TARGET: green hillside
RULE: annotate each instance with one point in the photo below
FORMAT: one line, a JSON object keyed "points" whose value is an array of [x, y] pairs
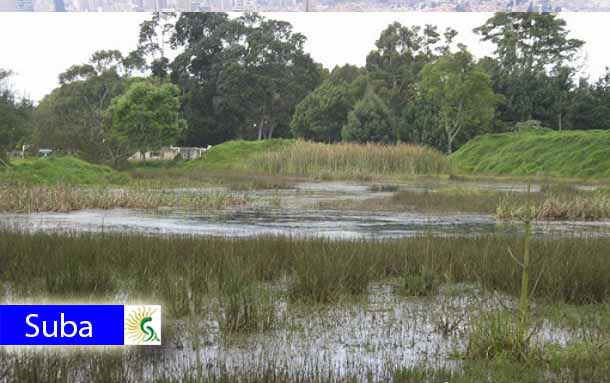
{"points": [[64, 170], [235, 154], [582, 154]]}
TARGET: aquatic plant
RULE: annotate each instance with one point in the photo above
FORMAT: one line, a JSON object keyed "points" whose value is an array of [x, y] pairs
{"points": [[575, 270], [62, 198], [350, 161]]}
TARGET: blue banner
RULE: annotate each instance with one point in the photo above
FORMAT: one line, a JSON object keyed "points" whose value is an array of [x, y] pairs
{"points": [[62, 325]]}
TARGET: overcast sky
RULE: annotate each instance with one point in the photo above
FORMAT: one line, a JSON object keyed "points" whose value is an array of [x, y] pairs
{"points": [[39, 46]]}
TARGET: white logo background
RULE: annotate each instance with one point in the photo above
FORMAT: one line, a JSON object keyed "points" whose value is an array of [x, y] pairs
{"points": [[135, 311]]}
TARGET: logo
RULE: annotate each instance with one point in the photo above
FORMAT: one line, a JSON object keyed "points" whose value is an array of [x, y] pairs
{"points": [[143, 325]]}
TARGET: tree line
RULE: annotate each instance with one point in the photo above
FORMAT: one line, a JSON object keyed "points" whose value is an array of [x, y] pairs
{"points": [[248, 77]]}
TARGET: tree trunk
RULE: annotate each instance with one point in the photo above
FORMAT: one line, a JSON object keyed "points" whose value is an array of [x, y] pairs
{"points": [[260, 129], [449, 139], [560, 121], [449, 144]]}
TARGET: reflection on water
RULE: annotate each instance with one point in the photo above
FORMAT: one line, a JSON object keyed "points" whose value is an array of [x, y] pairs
{"points": [[296, 212], [331, 224]]}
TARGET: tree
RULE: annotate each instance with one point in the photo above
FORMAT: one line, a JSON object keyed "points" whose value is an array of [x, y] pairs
{"points": [[147, 116], [531, 49], [321, 115], [14, 117], [72, 117], [400, 54], [370, 121], [461, 93], [241, 77], [155, 39], [346, 73], [601, 94], [419, 123], [583, 112]]}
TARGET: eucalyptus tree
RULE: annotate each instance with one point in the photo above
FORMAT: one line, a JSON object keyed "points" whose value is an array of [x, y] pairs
{"points": [[461, 93], [154, 43], [531, 50], [400, 54], [241, 77]]}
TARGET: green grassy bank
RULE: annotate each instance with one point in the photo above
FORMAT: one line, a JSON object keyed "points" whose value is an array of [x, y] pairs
{"points": [[576, 154], [60, 170], [236, 155]]}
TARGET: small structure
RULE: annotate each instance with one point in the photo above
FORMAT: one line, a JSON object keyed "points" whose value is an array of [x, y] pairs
{"points": [[44, 152], [16, 153], [189, 153], [170, 153]]}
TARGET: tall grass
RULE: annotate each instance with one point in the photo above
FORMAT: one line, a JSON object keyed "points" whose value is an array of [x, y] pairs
{"points": [[22, 199], [185, 269], [33, 366], [351, 161]]}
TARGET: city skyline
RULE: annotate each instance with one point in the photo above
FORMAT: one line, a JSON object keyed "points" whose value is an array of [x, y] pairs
{"points": [[305, 5]]}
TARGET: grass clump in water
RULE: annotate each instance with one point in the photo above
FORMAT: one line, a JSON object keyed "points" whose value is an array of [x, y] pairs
{"points": [[61, 198], [246, 307], [566, 270], [498, 335], [322, 277], [421, 284]]}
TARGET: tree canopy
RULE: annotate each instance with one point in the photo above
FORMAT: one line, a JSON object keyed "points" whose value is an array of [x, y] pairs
{"points": [[370, 121], [249, 77], [461, 92], [147, 116]]}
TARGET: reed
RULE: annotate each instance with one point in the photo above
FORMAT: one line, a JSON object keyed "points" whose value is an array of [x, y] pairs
{"points": [[499, 335], [178, 270], [351, 161], [61, 198], [582, 364]]}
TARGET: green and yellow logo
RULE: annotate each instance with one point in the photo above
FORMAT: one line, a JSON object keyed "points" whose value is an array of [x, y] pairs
{"points": [[142, 325]]}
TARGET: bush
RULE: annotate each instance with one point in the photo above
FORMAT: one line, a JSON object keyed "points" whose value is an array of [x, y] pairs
{"points": [[370, 121], [531, 126], [498, 335], [322, 114], [422, 284]]}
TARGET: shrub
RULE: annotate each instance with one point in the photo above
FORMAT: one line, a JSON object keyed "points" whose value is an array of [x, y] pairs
{"points": [[370, 121], [498, 335], [422, 284]]}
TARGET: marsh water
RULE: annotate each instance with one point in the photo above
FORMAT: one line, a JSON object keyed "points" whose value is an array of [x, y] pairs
{"points": [[369, 338], [299, 211]]}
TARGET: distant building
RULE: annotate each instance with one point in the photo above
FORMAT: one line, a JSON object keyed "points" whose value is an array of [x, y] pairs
{"points": [[16, 153], [8, 6], [44, 152], [170, 153], [24, 6]]}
